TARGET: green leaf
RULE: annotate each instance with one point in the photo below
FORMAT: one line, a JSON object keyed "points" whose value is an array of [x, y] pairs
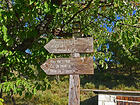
{"points": [[28, 95], [49, 86], [106, 65], [47, 9], [0, 86], [1, 100], [101, 62], [58, 10], [4, 30], [31, 1], [34, 91], [18, 82], [20, 93], [38, 87]]}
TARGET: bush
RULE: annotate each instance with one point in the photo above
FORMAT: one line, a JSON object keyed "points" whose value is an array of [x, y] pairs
{"points": [[89, 86]]}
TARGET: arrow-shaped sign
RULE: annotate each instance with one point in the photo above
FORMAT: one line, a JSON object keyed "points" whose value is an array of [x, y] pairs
{"points": [[64, 66], [79, 45]]}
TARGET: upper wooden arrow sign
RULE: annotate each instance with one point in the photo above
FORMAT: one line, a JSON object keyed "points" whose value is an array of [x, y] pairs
{"points": [[79, 45], [64, 66]]}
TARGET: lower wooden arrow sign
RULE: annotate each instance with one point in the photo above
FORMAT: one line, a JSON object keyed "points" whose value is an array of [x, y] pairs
{"points": [[68, 66]]}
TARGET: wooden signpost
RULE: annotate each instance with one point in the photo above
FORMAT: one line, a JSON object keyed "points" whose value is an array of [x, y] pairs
{"points": [[78, 45], [70, 66]]}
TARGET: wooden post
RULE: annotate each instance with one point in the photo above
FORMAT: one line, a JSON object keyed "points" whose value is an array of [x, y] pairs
{"points": [[74, 82], [74, 87]]}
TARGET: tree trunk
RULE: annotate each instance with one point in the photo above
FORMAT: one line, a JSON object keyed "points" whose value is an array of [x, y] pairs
{"points": [[130, 70], [13, 100], [12, 97], [0, 93], [1, 82]]}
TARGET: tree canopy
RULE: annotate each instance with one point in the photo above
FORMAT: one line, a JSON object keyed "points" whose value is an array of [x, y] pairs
{"points": [[30, 24]]}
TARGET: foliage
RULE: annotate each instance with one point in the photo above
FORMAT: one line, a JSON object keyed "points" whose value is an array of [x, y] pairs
{"points": [[1, 101], [125, 43], [58, 93], [30, 24]]}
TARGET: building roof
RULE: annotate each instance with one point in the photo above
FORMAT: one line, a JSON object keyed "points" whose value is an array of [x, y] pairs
{"points": [[119, 92]]}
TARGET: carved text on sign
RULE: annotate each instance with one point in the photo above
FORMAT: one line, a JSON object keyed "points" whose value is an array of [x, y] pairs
{"points": [[63, 66]]}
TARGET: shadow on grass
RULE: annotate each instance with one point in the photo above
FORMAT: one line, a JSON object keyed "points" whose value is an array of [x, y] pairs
{"points": [[90, 101], [111, 81]]}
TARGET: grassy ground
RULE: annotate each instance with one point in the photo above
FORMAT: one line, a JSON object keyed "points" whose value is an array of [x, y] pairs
{"points": [[58, 94]]}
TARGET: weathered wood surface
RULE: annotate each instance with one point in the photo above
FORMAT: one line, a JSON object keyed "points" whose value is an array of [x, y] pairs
{"points": [[64, 66], [74, 90], [79, 45], [74, 87]]}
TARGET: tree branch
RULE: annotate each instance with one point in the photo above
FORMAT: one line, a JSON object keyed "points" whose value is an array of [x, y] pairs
{"points": [[106, 5], [77, 13], [130, 25], [42, 28], [58, 32], [9, 4]]}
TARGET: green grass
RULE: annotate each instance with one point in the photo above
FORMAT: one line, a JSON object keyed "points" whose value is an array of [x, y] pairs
{"points": [[58, 93]]}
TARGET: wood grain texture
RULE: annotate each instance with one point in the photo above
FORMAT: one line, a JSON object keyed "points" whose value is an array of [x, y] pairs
{"points": [[74, 90], [78, 45], [67, 66], [74, 87]]}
